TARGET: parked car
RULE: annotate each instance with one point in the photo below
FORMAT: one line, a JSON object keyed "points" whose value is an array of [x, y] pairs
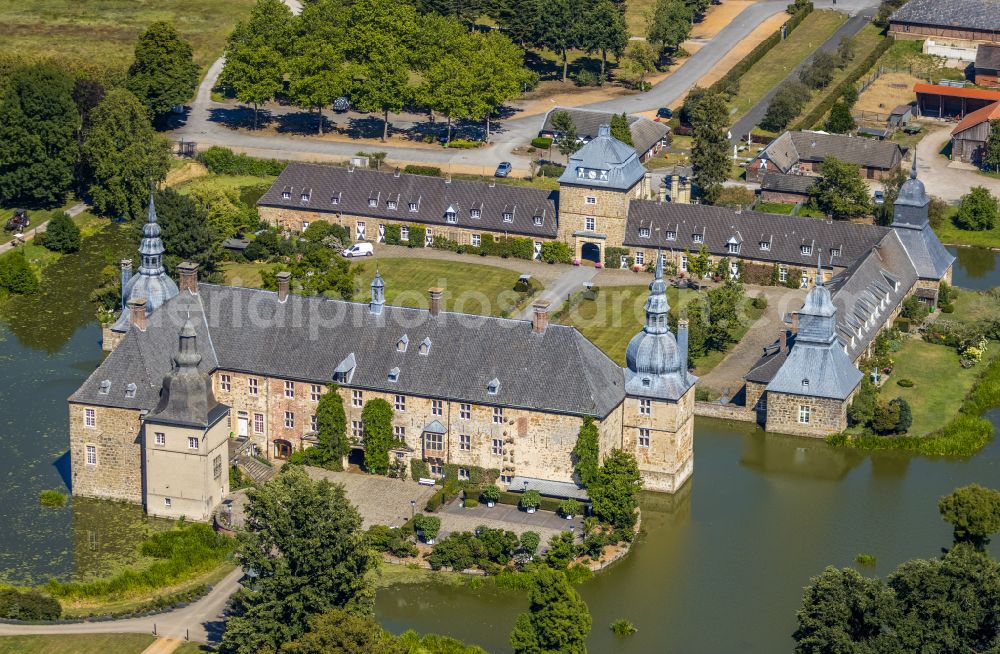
{"points": [[341, 104], [503, 169], [359, 250], [18, 221], [879, 197], [665, 112]]}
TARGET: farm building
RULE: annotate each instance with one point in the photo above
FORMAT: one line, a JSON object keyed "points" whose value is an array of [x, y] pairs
{"points": [[803, 152], [648, 137], [901, 116], [949, 28], [791, 189], [968, 139], [939, 101], [988, 65]]}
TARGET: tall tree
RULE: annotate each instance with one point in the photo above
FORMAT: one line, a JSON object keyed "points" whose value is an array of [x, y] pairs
{"points": [[977, 211], [379, 439], [840, 121], [318, 75], [586, 453], [840, 191], [974, 513], [38, 136], [340, 632], [124, 155], [991, 156], [16, 274], [187, 234], [603, 29], [786, 104], [448, 83], [710, 147], [639, 61], [559, 30], [620, 129], [164, 73], [306, 545], [62, 234], [378, 48], [496, 67], [557, 621], [668, 24], [563, 123], [615, 495]]}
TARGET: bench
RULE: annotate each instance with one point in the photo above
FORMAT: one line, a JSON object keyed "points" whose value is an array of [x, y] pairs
{"points": [[424, 481]]}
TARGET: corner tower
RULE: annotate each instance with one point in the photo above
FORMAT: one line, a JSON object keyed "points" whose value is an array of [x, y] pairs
{"points": [[658, 419], [594, 194], [910, 221]]}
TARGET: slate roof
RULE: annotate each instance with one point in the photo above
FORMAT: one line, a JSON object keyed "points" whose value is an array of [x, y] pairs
{"points": [[792, 147], [988, 56], [354, 189], [787, 183], [549, 488], [767, 366], [616, 164], [645, 132], [953, 14], [306, 338], [786, 234]]}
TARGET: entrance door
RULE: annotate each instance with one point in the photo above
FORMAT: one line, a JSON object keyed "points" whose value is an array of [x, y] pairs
{"points": [[591, 252], [282, 449], [242, 428]]}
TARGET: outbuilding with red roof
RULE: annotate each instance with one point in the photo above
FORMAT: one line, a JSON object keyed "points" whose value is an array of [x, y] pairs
{"points": [[941, 101]]}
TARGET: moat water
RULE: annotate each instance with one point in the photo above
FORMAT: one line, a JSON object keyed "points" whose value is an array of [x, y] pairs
{"points": [[718, 568]]}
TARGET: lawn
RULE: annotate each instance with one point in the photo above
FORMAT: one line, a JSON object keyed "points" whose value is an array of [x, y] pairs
{"points": [[906, 55], [101, 33], [940, 383], [774, 207], [225, 183], [779, 62], [972, 306], [952, 235], [469, 287], [76, 644]]}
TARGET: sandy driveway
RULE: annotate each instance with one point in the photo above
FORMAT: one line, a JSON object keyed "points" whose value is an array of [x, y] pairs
{"points": [[945, 179]]}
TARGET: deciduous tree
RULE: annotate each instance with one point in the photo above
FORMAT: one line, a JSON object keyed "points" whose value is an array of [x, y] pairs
{"points": [[586, 453], [16, 275], [840, 121], [557, 620], [38, 136], [977, 210], [841, 191], [496, 66], [991, 155], [377, 419], [710, 146], [615, 493], [620, 129], [164, 73], [639, 60], [604, 30], [974, 513], [786, 104], [62, 234], [668, 24], [340, 632], [305, 543], [558, 29], [318, 75], [124, 155]]}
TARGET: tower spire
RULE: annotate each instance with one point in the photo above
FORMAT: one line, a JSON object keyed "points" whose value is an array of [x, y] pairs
{"points": [[819, 268], [658, 273], [913, 168]]}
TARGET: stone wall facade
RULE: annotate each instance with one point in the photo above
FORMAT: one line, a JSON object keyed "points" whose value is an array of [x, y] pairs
{"points": [[608, 209], [182, 481], [825, 416], [114, 472], [661, 435]]}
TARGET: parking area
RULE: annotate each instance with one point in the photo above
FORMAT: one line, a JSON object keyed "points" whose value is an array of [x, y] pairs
{"points": [[380, 500], [504, 516]]}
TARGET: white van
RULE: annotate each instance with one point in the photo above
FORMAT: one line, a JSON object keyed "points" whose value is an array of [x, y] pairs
{"points": [[359, 250]]}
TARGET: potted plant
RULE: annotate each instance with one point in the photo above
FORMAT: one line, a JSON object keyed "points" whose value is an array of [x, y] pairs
{"points": [[427, 527], [530, 501], [491, 495], [569, 508]]}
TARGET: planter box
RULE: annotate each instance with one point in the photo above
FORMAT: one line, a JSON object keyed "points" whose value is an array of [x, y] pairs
{"points": [[530, 509]]}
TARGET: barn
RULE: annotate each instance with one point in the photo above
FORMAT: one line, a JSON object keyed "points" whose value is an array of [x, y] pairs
{"points": [[949, 28], [968, 139], [940, 101]]}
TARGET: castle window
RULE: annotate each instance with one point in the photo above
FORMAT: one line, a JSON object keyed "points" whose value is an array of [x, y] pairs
{"points": [[498, 415], [475, 213], [782, 274], [404, 233], [402, 343], [645, 407], [252, 386], [289, 389], [159, 438], [89, 418], [167, 502], [497, 447], [314, 423], [289, 420], [476, 240], [697, 238], [258, 423], [806, 250], [465, 442], [391, 204], [506, 479], [589, 223], [433, 441], [644, 438], [644, 232], [805, 412], [225, 383], [412, 206], [192, 442], [357, 429], [671, 236], [357, 398], [315, 392], [399, 432], [400, 403], [91, 455], [640, 257], [463, 473], [437, 407], [217, 466], [591, 199], [465, 411], [105, 387]]}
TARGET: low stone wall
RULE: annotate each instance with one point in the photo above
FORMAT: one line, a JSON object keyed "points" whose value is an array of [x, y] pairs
{"points": [[724, 411]]}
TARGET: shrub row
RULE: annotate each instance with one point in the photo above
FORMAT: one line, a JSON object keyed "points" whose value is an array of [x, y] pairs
{"points": [[729, 82], [516, 247], [541, 142], [547, 503], [28, 605], [223, 161], [833, 94], [430, 171]]}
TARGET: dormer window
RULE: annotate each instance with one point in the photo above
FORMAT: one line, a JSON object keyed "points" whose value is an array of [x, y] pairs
{"points": [[402, 343], [345, 370], [425, 347], [305, 195], [476, 213], [644, 232], [671, 236], [105, 387], [413, 206], [765, 246], [391, 204], [451, 216], [646, 381], [807, 250], [335, 199], [834, 252], [394, 375], [538, 221], [286, 194], [130, 390], [493, 387], [733, 248], [805, 384], [372, 202], [508, 217], [697, 238]]}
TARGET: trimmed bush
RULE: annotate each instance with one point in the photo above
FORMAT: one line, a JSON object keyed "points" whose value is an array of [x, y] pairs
{"points": [[948, 308], [905, 383], [490, 494], [223, 161], [430, 171], [28, 605], [428, 526], [435, 501], [463, 144], [570, 507], [541, 142], [471, 502], [530, 500]]}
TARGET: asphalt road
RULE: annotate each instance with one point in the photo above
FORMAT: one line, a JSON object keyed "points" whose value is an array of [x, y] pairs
{"points": [[756, 113]]}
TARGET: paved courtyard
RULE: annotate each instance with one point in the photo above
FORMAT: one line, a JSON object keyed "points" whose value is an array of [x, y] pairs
{"points": [[503, 516], [380, 500]]}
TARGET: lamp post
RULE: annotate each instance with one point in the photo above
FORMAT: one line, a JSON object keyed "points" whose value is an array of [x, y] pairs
{"points": [[413, 509]]}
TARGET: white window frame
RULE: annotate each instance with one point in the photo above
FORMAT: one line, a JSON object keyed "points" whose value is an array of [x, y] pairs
{"points": [[357, 398], [399, 431], [159, 439], [463, 473], [252, 386], [782, 273], [404, 233], [193, 443], [258, 424], [697, 238], [684, 263], [315, 392], [805, 414], [497, 447], [644, 232], [400, 402], [498, 415], [645, 407], [476, 240], [314, 422], [225, 383], [357, 429], [289, 420], [640, 257], [167, 503], [671, 236], [733, 248], [91, 455], [465, 442], [806, 250], [475, 213], [289, 389], [643, 439], [765, 246], [591, 199], [434, 441], [590, 223], [437, 408], [465, 411], [89, 418]]}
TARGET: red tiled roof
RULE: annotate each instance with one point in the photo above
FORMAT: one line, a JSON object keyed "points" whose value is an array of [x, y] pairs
{"points": [[989, 112], [956, 92]]}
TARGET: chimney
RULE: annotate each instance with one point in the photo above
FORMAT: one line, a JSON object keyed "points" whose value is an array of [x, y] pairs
{"points": [[435, 294], [795, 323], [782, 340], [188, 272], [682, 343], [284, 278], [541, 319], [126, 275], [396, 173], [137, 312]]}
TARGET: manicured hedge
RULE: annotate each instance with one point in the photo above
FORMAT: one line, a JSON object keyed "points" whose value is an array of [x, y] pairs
{"points": [[223, 161], [541, 142], [548, 503], [28, 605], [431, 171]]}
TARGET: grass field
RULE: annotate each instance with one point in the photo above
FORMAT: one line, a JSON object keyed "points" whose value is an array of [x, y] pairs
{"points": [[469, 287], [774, 207], [102, 33], [779, 62], [76, 644], [940, 383], [951, 235]]}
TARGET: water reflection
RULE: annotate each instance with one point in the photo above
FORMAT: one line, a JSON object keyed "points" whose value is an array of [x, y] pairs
{"points": [[975, 268], [777, 454]]}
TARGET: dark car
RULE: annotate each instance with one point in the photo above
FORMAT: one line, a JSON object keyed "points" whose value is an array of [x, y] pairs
{"points": [[18, 221], [341, 104], [665, 112], [503, 169]]}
